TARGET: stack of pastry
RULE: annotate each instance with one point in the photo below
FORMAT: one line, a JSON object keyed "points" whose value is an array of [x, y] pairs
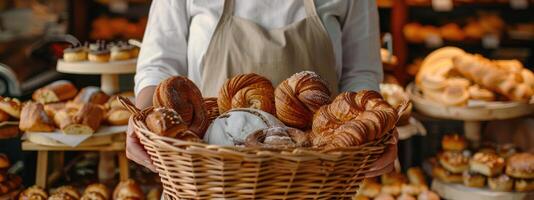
{"points": [[452, 161], [500, 168], [60, 105], [8, 182], [395, 184], [452, 77], [9, 111], [100, 52]]}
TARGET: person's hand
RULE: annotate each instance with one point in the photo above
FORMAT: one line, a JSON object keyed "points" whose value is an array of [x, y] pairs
{"points": [[135, 150], [386, 163]]}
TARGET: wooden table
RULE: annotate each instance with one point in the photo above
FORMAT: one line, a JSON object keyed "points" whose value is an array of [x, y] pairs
{"points": [[41, 176]]}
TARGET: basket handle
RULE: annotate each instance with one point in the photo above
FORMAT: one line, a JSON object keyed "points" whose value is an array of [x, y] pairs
{"points": [[128, 105]]}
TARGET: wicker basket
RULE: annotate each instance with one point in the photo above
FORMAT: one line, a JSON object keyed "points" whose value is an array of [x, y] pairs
{"points": [[190, 170]]}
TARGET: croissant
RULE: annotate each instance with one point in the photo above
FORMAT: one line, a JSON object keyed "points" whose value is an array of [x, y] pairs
{"points": [[183, 96], [299, 97], [489, 75], [352, 119], [247, 91]]}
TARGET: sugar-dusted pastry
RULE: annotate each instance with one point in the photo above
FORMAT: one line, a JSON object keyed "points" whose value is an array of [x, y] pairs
{"points": [[165, 122]]}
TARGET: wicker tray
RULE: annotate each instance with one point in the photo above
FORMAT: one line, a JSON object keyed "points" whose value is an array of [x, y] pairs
{"points": [[191, 170]]}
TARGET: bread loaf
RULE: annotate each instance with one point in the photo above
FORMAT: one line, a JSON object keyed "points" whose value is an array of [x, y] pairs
{"points": [[118, 116], [233, 127], [128, 189], [86, 120], [54, 92], [52, 108], [352, 119], [278, 138], [91, 94], [247, 91], [10, 106], [299, 97], [34, 118], [183, 96]]}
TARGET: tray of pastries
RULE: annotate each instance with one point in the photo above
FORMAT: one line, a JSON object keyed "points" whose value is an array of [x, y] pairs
{"points": [[452, 83], [99, 58], [495, 172], [60, 114]]}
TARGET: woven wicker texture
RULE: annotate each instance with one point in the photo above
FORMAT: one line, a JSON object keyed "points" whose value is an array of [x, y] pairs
{"points": [[191, 170]]}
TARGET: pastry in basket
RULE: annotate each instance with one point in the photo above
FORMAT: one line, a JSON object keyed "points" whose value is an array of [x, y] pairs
{"points": [[488, 164], [453, 142], [370, 188], [247, 91], [353, 119], [299, 97], [85, 120], [99, 52], [416, 176], [75, 53], [524, 185], [212, 108], [233, 127], [96, 190], [278, 138], [55, 92], [91, 94], [10, 106], [182, 95], [443, 175], [406, 197], [454, 161], [33, 193], [472, 179], [488, 75], [67, 190], [128, 189], [120, 51], [501, 183], [396, 97], [165, 122], [34, 118], [521, 166], [428, 195]]}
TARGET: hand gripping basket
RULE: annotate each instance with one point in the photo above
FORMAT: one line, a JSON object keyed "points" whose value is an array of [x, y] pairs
{"points": [[190, 170]]}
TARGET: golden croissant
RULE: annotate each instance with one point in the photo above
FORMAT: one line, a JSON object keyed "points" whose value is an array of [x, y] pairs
{"points": [[183, 96], [352, 119], [247, 91], [299, 97]]}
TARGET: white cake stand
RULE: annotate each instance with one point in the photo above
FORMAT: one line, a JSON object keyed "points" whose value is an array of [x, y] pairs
{"points": [[461, 192]]}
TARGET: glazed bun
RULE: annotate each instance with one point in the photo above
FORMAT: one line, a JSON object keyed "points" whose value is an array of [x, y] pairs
{"points": [[521, 165]]}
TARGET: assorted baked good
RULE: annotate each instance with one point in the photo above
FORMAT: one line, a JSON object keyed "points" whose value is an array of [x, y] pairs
{"points": [[75, 53], [34, 118], [455, 162], [57, 91], [100, 52], [278, 138], [247, 91], [33, 193], [453, 142], [488, 164], [65, 192], [128, 189], [9, 108], [91, 94], [85, 120], [96, 191], [9, 182], [395, 185], [395, 95], [453, 77]]}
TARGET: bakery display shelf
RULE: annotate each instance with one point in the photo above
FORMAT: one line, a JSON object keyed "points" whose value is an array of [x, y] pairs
{"points": [[471, 115], [88, 67], [461, 192], [476, 4], [11, 195]]}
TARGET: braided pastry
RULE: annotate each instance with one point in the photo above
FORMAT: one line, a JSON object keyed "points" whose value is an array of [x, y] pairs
{"points": [[352, 119], [183, 96], [247, 91], [299, 97]]}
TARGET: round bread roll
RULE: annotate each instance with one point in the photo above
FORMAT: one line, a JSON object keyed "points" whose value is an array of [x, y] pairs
{"points": [[98, 188], [93, 196], [453, 142], [61, 196], [384, 197], [501, 183], [247, 91], [128, 189], [428, 195], [68, 190], [244, 121], [299, 97], [278, 137], [406, 197], [33, 193], [521, 165]]}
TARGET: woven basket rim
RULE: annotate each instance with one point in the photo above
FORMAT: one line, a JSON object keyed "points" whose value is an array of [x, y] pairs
{"points": [[301, 154]]}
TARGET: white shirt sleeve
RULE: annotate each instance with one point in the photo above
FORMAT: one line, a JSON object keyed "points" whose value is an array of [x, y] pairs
{"points": [[164, 48], [361, 63]]}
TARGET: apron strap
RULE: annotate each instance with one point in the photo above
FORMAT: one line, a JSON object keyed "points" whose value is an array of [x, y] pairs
{"points": [[309, 5], [228, 9]]}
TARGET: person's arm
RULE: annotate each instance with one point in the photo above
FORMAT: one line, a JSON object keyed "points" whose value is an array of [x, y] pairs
{"points": [[164, 48], [361, 64]]}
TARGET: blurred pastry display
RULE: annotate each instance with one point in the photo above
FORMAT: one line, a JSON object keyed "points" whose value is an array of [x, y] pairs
{"points": [[128, 189], [396, 185], [396, 96], [75, 53], [8, 182], [100, 52], [452, 77]]}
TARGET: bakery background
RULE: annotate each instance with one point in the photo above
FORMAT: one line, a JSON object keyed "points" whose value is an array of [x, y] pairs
{"points": [[33, 34]]}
